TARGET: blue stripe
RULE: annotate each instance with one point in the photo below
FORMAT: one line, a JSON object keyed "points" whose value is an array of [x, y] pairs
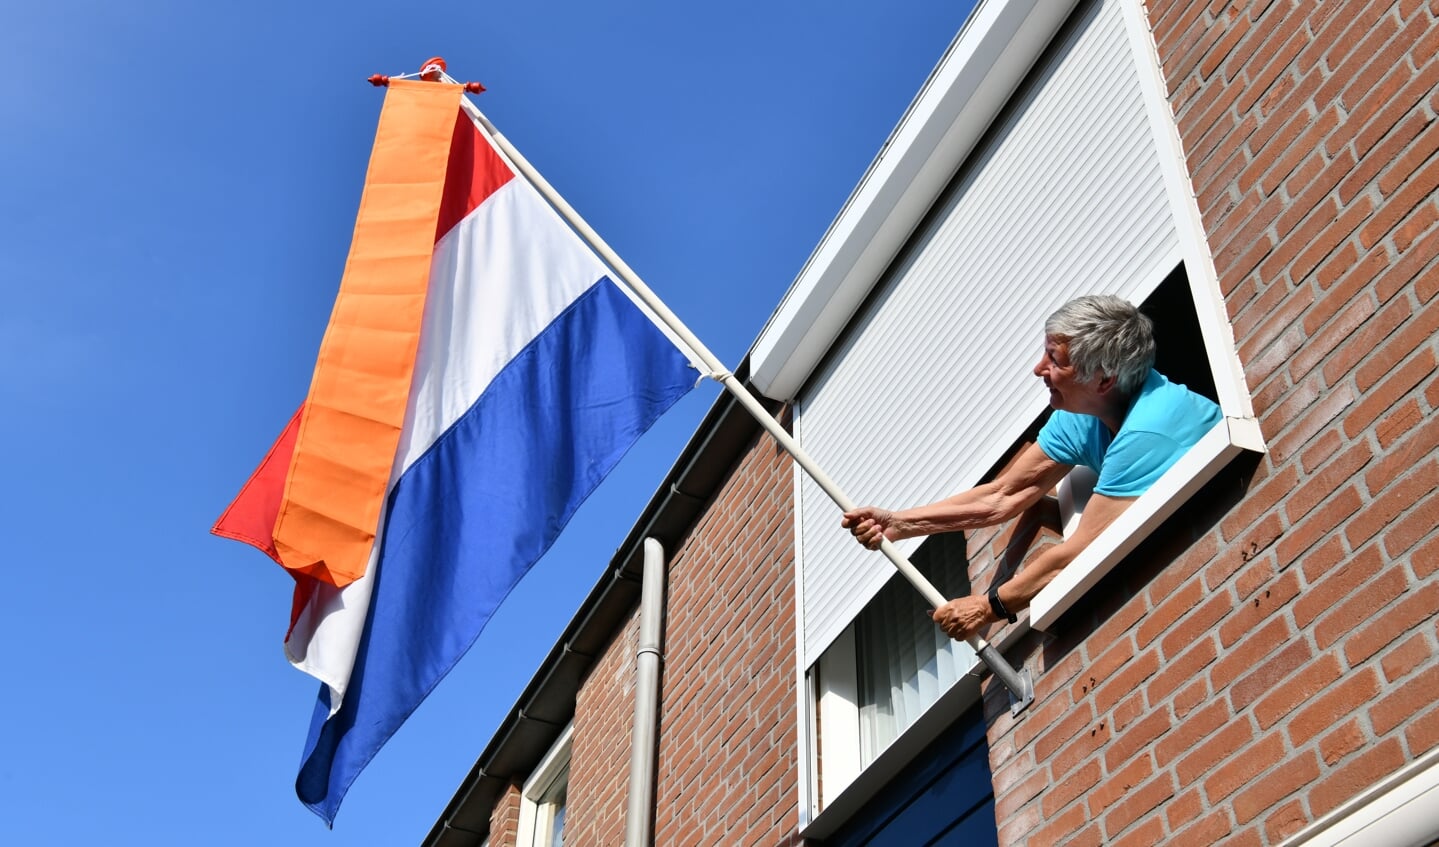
{"points": [[471, 516]]}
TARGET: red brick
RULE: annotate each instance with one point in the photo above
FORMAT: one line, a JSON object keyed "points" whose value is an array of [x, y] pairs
{"points": [[1269, 674], [1138, 802], [1184, 808], [1252, 760], [1257, 503], [1413, 528], [1253, 608], [1364, 172], [1422, 734], [1321, 451], [1291, 137], [1304, 535], [1335, 35], [1062, 829], [1298, 689], [1190, 697], [1197, 623], [1119, 784], [1181, 669], [1390, 392], [1397, 347], [1341, 742], [1399, 660], [1248, 651], [1425, 560], [1409, 699], [1360, 773], [1126, 712], [1117, 655], [1166, 611], [1064, 791], [1298, 411], [1050, 710], [1208, 831], [1399, 498], [1365, 340], [1353, 692], [1410, 161], [1353, 612], [1190, 730], [1326, 591], [1391, 429], [1276, 786], [1331, 236], [1419, 188], [1375, 117], [1284, 821], [1349, 313], [1081, 747], [1125, 745], [1284, 38], [1011, 798], [1013, 829], [1069, 727], [1414, 226], [1232, 737], [1147, 834], [1242, 838]]}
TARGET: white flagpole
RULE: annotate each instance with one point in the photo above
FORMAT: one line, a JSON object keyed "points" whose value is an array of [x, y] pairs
{"points": [[1019, 684]]}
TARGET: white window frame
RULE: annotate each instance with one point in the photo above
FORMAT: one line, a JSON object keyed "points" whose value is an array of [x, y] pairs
{"points": [[537, 815], [1238, 431], [832, 700]]}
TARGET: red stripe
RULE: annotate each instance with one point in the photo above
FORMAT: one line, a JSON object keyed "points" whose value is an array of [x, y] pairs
{"points": [[475, 172]]}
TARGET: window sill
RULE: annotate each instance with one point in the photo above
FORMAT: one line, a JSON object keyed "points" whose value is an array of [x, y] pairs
{"points": [[1227, 439]]}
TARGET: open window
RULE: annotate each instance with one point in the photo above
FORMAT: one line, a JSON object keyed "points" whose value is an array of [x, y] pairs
{"points": [[1039, 163], [1182, 358]]}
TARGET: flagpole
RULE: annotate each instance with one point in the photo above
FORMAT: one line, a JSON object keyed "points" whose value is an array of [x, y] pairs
{"points": [[1020, 685]]}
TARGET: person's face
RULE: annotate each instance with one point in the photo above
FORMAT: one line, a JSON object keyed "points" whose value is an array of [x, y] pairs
{"points": [[1066, 390]]}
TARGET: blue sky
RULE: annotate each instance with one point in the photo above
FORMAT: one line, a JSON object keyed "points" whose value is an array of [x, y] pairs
{"points": [[178, 183]]}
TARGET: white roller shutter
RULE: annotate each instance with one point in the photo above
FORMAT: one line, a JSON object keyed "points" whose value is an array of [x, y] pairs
{"points": [[933, 383]]}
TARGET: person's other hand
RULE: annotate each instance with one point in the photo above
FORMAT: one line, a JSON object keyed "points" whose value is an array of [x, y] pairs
{"points": [[869, 525], [963, 617]]}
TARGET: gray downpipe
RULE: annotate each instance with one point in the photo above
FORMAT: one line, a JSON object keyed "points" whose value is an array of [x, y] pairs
{"points": [[644, 736]]}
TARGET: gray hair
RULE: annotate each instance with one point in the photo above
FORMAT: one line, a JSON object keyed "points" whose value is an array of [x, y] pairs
{"points": [[1106, 336]]}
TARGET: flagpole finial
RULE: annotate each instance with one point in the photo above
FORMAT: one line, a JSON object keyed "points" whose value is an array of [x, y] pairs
{"points": [[433, 69]]}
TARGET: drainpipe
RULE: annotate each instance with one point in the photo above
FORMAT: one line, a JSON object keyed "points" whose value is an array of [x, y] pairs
{"points": [[639, 818]]}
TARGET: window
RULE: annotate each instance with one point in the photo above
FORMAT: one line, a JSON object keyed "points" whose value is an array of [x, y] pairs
{"points": [[543, 803], [894, 696], [907, 340]]}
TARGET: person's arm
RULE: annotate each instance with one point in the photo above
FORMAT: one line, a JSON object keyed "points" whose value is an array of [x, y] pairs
{"points": [[1020, 486], [965, 616]]}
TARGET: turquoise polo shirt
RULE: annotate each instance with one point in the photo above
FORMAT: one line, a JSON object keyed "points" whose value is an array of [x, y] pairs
{"points": [[1164, 420]]}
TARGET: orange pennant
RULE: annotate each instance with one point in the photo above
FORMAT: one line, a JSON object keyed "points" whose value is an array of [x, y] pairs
{"points": [[356, 406]]}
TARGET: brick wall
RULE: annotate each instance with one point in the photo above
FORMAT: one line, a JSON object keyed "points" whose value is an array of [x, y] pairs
{"points": [[727, 772], [1272, 650], [727, 762]]}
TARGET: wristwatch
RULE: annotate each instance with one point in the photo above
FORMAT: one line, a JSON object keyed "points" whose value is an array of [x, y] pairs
{"points": [[998, 607]]}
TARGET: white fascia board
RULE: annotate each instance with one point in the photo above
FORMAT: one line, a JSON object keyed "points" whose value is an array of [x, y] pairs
{"points": [[1222, 443], [1398, 811], [984, 65]]}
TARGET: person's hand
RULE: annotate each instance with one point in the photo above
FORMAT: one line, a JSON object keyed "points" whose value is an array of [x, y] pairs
{"points": [[869, 525], [963, 617]]}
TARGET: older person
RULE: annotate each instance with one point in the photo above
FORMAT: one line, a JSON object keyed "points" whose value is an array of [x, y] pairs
{"points": [[1112, 413]]}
